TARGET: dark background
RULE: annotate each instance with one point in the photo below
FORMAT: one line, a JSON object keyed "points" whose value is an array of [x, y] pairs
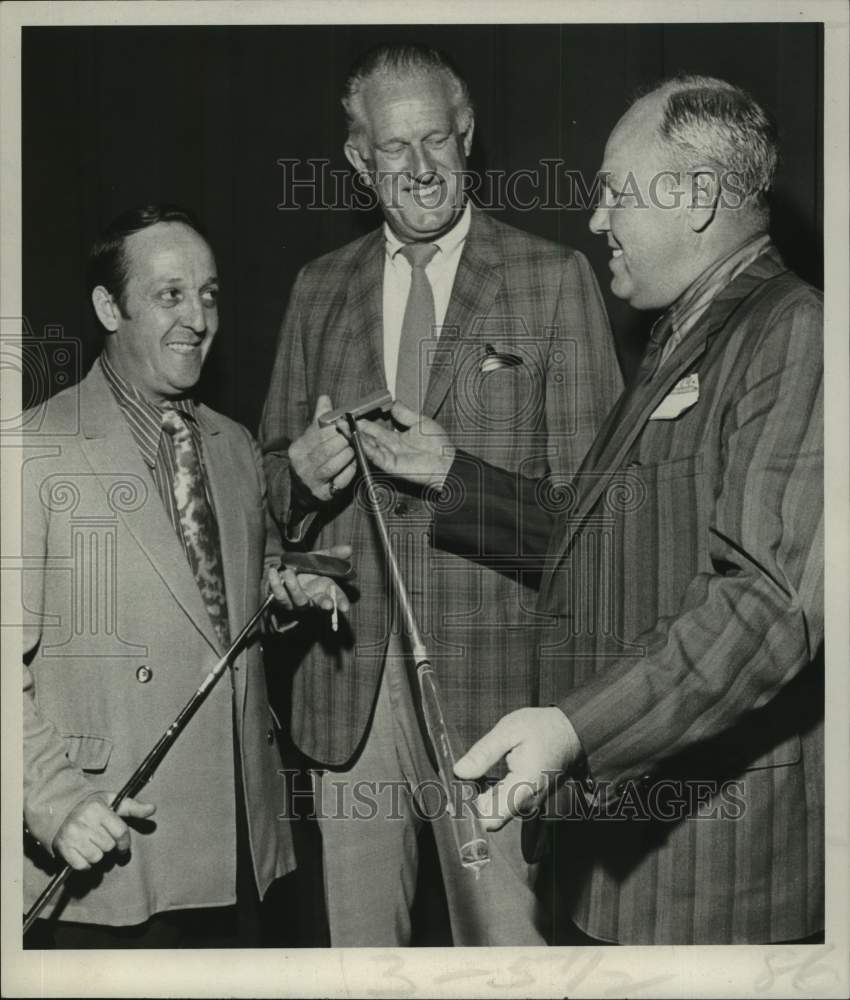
{"points": [[116, 117]]}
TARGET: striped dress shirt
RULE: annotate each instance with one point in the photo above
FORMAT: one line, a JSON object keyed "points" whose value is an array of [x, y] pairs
{"points": [[155, 446]]}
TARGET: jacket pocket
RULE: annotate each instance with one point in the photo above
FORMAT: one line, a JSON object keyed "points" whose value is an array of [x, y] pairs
{"points": [[88, 753], [659, 540], [787, 752]]}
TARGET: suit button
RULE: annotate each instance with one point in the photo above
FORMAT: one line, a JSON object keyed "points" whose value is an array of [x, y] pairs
{"points": [[401, 508], [270, 737], [144, 674]]}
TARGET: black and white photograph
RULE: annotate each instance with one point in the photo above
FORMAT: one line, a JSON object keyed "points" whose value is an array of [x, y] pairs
{"points": [[425, 499]]}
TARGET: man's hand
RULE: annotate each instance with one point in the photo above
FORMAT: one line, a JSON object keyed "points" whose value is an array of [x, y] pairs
{"points": [[91, 830], [537, 744], [422, 454], [298, 591], [322, 460]]}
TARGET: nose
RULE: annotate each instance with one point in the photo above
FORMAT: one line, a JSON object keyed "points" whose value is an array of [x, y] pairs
{"points": [[421, 165], [194, 315], [600, 221]]}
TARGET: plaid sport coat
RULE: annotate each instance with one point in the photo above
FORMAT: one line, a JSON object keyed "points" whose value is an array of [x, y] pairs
{"points": [[513, 294], [684, 576]]}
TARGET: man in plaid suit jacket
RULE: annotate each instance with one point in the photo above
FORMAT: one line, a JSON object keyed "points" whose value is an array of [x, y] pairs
{"points": [[684, 662], [524, 372]]}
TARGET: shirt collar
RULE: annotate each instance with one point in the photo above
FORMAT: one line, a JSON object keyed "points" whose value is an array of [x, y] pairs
{"points": [[447, 243], [143, 415], [694, 300]]}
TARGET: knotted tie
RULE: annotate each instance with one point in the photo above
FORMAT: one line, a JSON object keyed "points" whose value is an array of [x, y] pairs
{"points": [[411, 381], [198, 523], [662, 328]]}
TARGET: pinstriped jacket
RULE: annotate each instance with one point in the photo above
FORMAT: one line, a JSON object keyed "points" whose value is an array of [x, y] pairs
{"points": [[514, 294], [685, 580]]}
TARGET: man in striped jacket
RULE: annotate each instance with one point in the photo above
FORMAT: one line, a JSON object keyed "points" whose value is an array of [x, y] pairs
{"points": [[682, 566]]}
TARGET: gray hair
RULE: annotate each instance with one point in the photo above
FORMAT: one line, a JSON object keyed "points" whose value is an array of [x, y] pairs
{"points": [[709, 121], [399, 61]]}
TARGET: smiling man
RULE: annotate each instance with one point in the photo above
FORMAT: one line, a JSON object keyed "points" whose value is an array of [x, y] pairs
{"points": [[502, 335], [686, 700], [146, 536]]}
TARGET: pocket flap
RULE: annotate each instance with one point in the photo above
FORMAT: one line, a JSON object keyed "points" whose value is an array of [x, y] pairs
{"points": [[789, 751], [89, 753]]}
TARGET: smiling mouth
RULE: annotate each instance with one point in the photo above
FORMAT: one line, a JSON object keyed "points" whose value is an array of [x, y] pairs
{"points": [[427, 195], [180, 347]]}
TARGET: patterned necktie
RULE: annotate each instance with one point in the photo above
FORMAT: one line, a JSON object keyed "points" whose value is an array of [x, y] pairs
{"points": [[198, 523], [411, 380]]}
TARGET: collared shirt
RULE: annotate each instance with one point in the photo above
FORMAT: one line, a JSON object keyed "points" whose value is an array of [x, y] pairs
{"points": [[441, 271], [155, 446], [692, 304]]}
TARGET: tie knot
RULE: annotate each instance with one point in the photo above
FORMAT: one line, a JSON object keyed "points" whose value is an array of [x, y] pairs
{"points": [[660, 333], [418, 254], [661, 329], [172, 421]]}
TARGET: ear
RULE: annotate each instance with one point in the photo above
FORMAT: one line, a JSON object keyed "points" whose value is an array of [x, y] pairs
{"points": [[106, 308], [704, 197], [467, 136], [352, 154]]}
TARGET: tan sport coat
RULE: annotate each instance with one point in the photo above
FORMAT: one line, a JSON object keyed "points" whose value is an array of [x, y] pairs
{"points": [[116, 640]]}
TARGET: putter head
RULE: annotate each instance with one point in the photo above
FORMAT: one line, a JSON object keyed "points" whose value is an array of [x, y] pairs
{"points": [[381, 400], [321, 565]]}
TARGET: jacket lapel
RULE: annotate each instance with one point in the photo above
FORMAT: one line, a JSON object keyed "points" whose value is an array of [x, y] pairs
{"points": [[363, 372], [629, 417], [110, 449], [236, 557], [476, 284], [230, 515]]}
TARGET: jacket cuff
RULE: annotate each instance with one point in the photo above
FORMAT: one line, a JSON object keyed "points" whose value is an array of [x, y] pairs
{"points": [[43, 821], [602, 777]]}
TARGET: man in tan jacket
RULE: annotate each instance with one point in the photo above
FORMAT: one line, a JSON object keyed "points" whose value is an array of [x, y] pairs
{"points": [[145, 530]]}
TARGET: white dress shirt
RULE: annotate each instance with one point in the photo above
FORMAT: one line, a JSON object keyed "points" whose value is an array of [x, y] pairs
{"points": [[441, 271]]}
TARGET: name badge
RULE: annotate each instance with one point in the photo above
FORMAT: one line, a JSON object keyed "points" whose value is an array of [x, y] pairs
{"points": [[682, 397]]}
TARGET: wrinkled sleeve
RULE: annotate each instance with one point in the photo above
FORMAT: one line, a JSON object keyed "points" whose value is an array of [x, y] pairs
{"points": [[287, 411], [52, 785], [748, 625]]}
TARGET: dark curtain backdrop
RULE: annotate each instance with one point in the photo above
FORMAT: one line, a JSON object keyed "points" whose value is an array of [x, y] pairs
{"points": [[115, 117]]}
